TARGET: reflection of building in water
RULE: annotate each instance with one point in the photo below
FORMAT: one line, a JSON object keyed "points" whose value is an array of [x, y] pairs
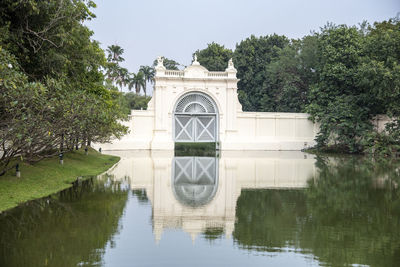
{"points": [[194, 180], [199, 193]]}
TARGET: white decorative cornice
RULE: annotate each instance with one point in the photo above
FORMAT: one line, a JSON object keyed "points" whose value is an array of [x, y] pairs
{"points": [[195, 72]]}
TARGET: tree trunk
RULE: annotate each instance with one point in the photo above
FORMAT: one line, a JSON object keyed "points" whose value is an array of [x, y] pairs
{"points": [[62, 143]]}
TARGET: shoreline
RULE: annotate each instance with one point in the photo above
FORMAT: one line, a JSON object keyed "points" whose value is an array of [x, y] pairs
{"points": [[48, 177]]}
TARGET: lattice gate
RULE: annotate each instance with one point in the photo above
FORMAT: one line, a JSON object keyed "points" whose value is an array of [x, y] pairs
{"points": [[195, 119]]}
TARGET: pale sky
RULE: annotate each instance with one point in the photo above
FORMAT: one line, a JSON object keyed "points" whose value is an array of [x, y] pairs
{"points": [[177, 28]]}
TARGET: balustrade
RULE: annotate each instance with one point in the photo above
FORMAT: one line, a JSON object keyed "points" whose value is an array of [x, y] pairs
{"points": [[217, 74], [174, 73], [211, 74]]}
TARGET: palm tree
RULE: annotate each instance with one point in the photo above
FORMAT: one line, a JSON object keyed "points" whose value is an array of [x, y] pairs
{"points": [[117, 74], [148, 73], [137, 80], [114, 53], [122, 77]]}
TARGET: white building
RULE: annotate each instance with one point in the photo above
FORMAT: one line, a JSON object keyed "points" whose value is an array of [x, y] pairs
{"points": [[197, 105]]}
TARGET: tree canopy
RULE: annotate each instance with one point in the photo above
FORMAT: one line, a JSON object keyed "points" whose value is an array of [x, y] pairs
{"points": [[215, 57], [251, 58], [357, 79], [342, 76], [53, 91]]}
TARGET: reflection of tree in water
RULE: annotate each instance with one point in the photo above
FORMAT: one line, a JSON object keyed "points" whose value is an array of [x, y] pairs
{"points": [[266, 219], [141, 195], [213, 233], [65, 229], [350, 214]]}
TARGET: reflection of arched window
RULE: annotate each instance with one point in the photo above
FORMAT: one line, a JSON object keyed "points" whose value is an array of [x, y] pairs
{"points": [[195, 180]]}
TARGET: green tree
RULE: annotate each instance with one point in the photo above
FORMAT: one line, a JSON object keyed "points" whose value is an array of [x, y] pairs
{"points": [[115, 53], [291, 75], [48, 37], [149, 74], [24, 113], [137, 81], [115, 73], [53, 95], [133, 101], [215, 57], [122, 77], [342, 99], [252, 57], [380, 71]]}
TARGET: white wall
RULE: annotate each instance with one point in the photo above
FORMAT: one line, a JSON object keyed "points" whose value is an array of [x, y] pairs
{"points": [[237, 130], [380, 122], [271, 131]]}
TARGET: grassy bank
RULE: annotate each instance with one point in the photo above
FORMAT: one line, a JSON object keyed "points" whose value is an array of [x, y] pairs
{"points": [[48, 176]]}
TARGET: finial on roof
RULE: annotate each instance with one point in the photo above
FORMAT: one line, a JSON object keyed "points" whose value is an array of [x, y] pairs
{"points": [[195, 62], [160, 69], [160, 61], [231, 69], [230, 64]]}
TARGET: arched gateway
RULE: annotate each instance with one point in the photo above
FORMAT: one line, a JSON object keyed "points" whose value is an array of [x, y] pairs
{"points": [[197, 105], [195, 118]]}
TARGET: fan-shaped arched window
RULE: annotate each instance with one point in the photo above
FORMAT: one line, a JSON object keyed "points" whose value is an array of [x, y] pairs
{"points": [[195, 102]]}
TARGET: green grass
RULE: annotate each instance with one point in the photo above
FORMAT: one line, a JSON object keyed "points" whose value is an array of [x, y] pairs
{"points": [[49, 176]]}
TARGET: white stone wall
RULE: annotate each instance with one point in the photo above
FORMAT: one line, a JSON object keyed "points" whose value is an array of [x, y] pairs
{"points": [[238, 130], [271, 131], [380, 122]]}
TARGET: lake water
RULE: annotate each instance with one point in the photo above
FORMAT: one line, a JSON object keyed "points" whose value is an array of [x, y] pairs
{"points": [[235, 209]]}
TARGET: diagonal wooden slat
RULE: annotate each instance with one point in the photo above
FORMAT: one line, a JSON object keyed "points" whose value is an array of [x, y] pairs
{"points": [[205, 128], [184, 128]]}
